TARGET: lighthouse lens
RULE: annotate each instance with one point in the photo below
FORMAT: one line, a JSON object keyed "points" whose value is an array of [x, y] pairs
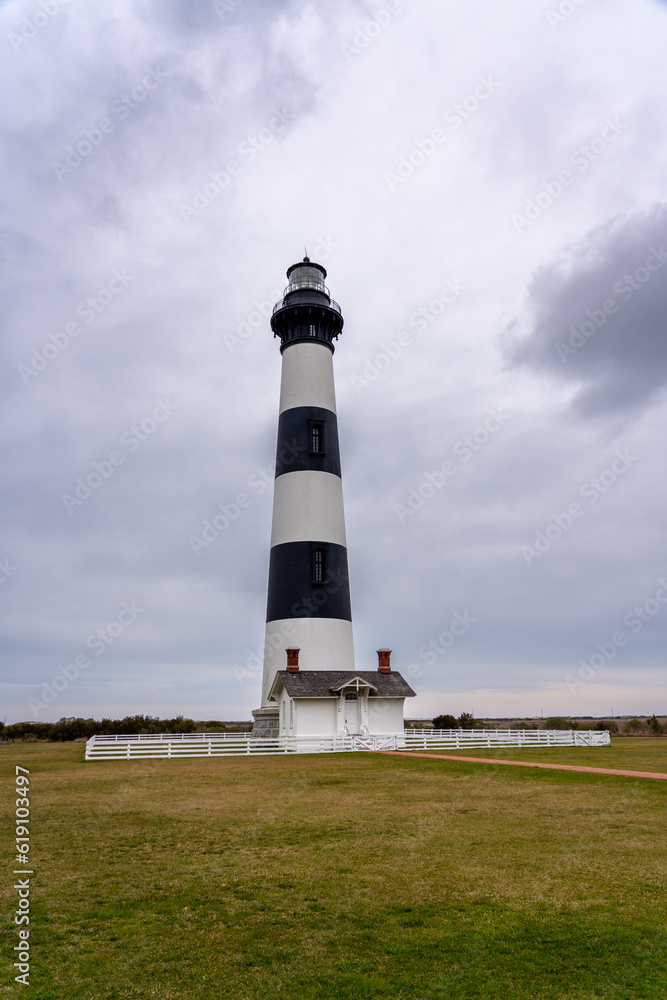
{"points": [[306, 277]]}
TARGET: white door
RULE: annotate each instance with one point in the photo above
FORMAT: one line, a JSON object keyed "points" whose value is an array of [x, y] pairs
{"points": [[352, 713]]}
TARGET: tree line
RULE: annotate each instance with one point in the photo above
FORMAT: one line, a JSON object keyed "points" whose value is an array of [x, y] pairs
{"points": [[71, 728], [632, 727]]}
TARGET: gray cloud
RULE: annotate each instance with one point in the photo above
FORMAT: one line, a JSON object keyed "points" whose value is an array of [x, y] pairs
{"points": [[597, 317]]}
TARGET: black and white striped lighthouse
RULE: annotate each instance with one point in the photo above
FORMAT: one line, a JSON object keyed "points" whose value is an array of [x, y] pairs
{"points": [[308, 606]]}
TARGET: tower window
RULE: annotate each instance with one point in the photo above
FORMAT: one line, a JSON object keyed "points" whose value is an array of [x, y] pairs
{"points": [[316, 438], [312, 330], [319, 565]]}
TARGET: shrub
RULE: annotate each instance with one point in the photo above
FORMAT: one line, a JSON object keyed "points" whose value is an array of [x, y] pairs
{"points": [[611, 727], [654, 725], [557, 723], [445, 722], [212, 726], [27, 731], [467, 720]]}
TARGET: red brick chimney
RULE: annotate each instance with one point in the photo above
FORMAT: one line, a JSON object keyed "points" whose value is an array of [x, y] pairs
{"points": [[384, 656], [293, 660]]}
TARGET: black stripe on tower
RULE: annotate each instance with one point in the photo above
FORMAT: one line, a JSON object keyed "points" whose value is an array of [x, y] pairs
{"points": [[308, 580], [307, 441]]}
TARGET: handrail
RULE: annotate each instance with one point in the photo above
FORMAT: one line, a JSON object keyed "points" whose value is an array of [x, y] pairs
{"points": [[280, 304]]}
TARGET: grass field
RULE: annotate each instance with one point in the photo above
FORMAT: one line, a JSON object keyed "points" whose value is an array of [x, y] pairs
{"points": [[345, 876], [625, 754]]}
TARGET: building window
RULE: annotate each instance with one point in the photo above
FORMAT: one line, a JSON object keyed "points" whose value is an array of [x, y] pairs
{"points": [[312, 330], [316, 438], [291, 714], [351, 696], [319, 565]]}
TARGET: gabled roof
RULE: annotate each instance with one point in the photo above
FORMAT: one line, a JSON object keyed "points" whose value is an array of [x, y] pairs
{"points": [[329, 683]]}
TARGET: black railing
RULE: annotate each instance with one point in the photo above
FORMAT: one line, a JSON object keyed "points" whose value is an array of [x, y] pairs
{"points": [[332, 303]]}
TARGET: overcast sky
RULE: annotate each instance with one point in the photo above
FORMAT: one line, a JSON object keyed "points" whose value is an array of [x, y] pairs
{"points": [[485, 184]]}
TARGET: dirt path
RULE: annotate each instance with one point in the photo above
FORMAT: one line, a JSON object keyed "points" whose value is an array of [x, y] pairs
{"points": [[525, 763]]}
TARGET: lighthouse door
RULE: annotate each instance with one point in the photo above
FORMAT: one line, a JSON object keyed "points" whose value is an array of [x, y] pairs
{"points": [[352, 713]]}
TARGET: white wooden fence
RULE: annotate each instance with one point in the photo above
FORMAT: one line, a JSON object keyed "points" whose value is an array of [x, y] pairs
{"points": [[462, 738], [242, 744]]}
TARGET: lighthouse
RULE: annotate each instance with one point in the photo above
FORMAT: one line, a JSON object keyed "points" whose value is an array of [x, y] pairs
{"points": [[309, 682]]}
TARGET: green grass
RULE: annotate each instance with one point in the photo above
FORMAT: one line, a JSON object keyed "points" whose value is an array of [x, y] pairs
{"points": [[350, 876], [626, 753]]}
